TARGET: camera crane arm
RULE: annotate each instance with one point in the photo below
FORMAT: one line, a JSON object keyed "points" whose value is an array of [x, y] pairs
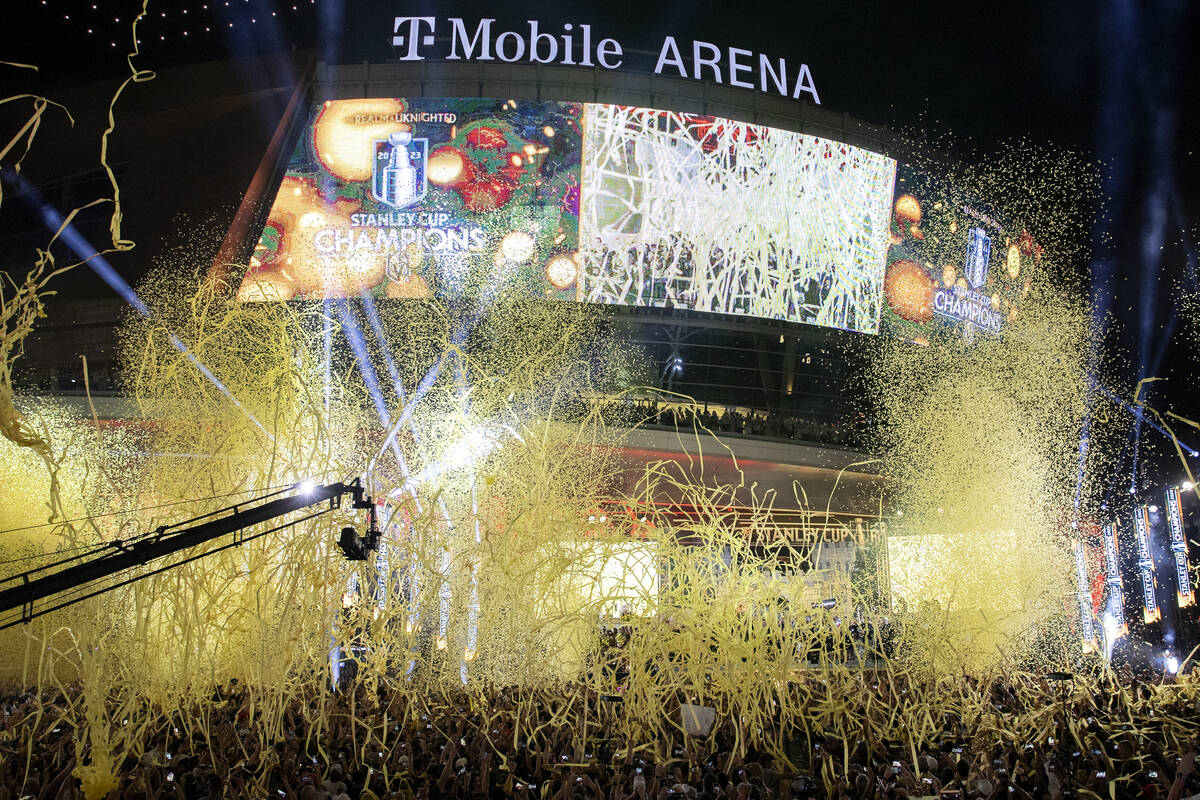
{"points": [[24, 590]]}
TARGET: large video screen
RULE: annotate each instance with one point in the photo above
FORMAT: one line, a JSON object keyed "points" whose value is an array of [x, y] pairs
{"points": [[412, 198], [714, 215], [953, 268]]}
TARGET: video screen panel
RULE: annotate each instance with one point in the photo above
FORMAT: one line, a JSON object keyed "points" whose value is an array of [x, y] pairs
{"points": [[412, 198], [953, 267], [710, 214], [424, 197]]}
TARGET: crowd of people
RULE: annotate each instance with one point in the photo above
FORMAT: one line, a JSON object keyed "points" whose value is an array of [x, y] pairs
{"points": [[1116, 736], [743, 422], [102, 379]]}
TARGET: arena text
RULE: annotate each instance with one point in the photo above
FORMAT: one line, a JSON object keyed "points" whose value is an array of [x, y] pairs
{"points": [[418, 38]]}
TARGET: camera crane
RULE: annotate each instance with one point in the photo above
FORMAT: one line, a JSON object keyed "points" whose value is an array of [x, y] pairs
{"points": [[77, 578]]}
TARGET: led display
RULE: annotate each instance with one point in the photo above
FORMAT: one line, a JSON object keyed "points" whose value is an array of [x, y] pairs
{"points": [[709, 214], [953, 267], [413, 198], [424, 197]]}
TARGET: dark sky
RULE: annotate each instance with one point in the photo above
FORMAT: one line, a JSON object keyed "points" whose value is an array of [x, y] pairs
{"points": [[989, 70], [985, 71], [1109, 78]]}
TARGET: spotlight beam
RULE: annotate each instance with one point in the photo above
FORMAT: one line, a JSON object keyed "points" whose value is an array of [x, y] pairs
{"points": [[359, 348], [393, 373], [407, 412], [1134, 413], [423, 387], [398, 387], [377, 329], [84, 251]]}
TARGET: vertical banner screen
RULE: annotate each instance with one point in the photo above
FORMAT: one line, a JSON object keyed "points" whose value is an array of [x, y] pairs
{"points": [[1087, 629], [1184, 593], [1116, 594], [1141, 524]]}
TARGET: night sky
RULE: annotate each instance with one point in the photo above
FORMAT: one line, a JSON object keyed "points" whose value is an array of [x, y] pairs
{"points": [[1111, 79], [989, 71]]}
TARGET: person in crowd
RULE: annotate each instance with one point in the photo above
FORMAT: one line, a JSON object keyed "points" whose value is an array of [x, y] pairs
{"points": [[753, 422], [447, 748]]}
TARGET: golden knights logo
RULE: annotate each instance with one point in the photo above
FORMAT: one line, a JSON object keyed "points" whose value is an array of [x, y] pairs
{"points": [[398, 179]]}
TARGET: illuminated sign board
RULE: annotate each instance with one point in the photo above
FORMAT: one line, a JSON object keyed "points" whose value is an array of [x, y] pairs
{"points": [[425, 198], [1185, 595], [1087, 629], [709, 214], [1141, 524], [799, 534], [418, 198], [455, 39], [1116, 595], [952, 267]]}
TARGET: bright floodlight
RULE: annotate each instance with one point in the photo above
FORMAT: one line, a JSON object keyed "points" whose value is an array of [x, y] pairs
{"points": [[307, 486], [475, 445], [1111, 632], [1172, 664], [1187, 486]]}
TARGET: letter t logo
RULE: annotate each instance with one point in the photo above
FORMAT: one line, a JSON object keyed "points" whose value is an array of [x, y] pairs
{"points": [[414, 36]]}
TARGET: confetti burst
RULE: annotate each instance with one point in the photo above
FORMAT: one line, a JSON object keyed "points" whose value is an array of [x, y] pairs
{"points": [[715, 215]]}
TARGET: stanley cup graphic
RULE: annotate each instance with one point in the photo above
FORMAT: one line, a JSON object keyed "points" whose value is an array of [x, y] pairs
{"points": [[398, 181], [979, 252]]}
